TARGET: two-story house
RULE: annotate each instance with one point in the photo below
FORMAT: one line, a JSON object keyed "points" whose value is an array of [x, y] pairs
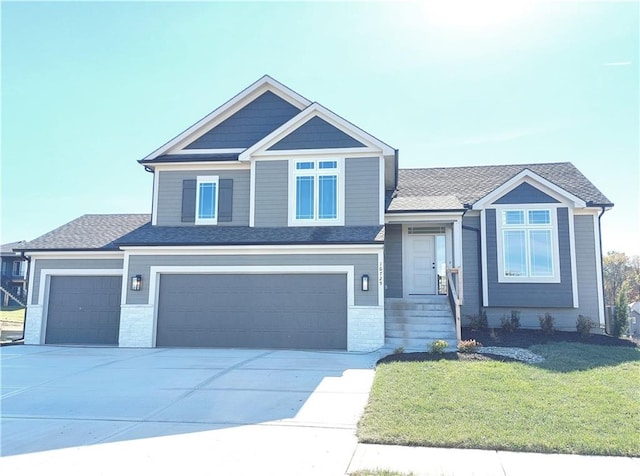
{"points": [[276, 223], [14, 271]]}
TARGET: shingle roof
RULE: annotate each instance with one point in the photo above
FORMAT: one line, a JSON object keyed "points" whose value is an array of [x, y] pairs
{"points": [[7, 248], [89, 232], [470, 184], [109, 232], [149, 235]]}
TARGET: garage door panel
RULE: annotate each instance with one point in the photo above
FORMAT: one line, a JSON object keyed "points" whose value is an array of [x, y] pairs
{"points": [[272, 311], [84, 310]]}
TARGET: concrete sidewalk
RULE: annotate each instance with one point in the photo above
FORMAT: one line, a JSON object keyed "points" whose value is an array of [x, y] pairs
{"points": [[462, 462]]}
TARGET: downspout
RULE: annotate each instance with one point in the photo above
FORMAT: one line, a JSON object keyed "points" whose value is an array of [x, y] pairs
{"points": [[479, 246], [26, 286], [603, 209]]}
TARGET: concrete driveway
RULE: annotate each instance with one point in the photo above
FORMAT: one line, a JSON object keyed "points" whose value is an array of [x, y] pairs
{"points": [[85, 411]]}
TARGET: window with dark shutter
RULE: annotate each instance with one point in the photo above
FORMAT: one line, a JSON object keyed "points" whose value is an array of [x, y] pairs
{"points": [[189, 201]]}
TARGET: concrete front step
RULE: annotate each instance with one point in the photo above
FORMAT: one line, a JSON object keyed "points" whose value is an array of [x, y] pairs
{"points": [[417, 306], [429, 319], [417, 314], [395, 326]]}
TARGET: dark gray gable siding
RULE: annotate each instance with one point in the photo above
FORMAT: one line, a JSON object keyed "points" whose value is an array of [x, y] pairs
{"points": [[177, 197], [247, 126], [271, 189], [362, 191], [316, 134], [515, 295], [525, 193], [393, 261]]}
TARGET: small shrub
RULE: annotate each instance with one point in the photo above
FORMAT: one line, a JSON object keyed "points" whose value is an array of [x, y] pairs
{"points": [[438, 346], [584, 325], [546, 324], [478, 321], [467, 346], [398, 350], [510, 323], [621, 314]]}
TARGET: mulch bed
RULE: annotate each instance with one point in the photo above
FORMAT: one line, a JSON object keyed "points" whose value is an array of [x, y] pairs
{"points": [[498, 338]]}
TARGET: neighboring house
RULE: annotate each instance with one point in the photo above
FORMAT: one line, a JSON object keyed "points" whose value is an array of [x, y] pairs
{"points": [[14, 272], [276, 223], [634, 319]]}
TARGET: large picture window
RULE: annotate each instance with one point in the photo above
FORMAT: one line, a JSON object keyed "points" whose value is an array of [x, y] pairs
{"points": [[316, 192], [207, 200], [528, 245]]}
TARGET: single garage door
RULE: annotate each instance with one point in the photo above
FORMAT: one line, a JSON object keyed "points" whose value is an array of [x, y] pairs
{"points": [[293, 311], [84, 310]]}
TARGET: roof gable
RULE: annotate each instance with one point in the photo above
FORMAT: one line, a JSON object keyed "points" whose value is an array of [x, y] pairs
{"points": [[257, 119], [316, 133], [525, 193], [316, 118], [210, 122]]}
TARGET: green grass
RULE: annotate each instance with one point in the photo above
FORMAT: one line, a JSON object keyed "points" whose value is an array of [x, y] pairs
{"points": [[583, 399], [16, 315]]}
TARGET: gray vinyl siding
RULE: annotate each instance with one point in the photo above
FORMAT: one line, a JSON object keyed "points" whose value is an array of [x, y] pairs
{"points": [[525, 193], [530, 294], [363, 263], [316, 133], [247, 126], [41, 264], [169, 212], [471, 271], [271, 193], [393, 261], [362, 191]]}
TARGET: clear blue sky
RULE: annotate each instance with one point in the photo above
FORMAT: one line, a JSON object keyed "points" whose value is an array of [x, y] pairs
{"points": [[88, 88]]}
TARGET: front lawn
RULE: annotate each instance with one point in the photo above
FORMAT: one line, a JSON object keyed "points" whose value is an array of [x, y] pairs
{"points": [[583, 399]]}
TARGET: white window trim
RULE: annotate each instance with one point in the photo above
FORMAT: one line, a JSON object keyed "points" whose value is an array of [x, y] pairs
{"points": [[553, 213], [293, 173], [207, 179]]}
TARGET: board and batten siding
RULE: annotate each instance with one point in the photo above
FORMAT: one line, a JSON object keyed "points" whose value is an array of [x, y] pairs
{"points": [[41, 264], [362, 191], [519, 295], [363, 264], [393, 261], [169, 211]]}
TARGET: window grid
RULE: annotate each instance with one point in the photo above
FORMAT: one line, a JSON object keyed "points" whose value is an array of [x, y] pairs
{"points": [[316, 190], [527, 240]]}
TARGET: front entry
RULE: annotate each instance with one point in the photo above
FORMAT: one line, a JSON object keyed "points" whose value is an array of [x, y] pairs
{"points": [[421, 274]]}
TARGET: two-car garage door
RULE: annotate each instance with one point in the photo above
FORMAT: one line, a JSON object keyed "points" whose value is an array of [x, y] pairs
{"points": [[304, 311]]}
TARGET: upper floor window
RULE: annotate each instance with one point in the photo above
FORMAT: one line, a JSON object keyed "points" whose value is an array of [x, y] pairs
{"points": [[207, 200], [315, 196], [527, 239], [17, 268]]}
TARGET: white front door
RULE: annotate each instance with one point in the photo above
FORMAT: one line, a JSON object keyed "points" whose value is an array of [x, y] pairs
{"points": [[420, 261]]}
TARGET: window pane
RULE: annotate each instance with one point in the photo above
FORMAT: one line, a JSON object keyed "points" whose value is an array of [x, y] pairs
{"points": [[328, 197], [329, 164], [304, 198], [513, 217], [207, 204], [541, 253], [539, 217], [304, 165], [515, 259]]}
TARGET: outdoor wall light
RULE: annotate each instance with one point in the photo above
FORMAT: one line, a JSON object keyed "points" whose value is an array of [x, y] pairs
{"points": [[136, 282], [365, 282]]}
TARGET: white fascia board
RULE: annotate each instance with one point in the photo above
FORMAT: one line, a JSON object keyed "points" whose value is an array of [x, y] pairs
{"points": [[351, 152], [430, 217], [229, 108], [217, 165], [535, 180], [206, 151], [254, 249], [317, 110], [43, 254]]}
